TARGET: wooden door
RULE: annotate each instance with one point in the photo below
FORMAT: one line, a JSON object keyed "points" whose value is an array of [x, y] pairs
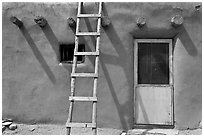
{"points": [[153, 82]]}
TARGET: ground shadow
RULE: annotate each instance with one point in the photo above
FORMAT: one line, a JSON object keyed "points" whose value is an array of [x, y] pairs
{"points": [[37, 54]]}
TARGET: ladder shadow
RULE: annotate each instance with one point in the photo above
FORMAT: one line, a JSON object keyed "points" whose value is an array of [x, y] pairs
{"points": [[123, 110], [121, 61], [37, 54]]}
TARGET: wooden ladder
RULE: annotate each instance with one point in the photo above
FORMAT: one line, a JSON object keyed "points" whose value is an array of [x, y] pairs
{"points": [[94, 75]]}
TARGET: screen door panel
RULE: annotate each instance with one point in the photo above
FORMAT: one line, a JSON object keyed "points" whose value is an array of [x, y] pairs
{"points": [[153, 63], [153, 105], [153, 82]]}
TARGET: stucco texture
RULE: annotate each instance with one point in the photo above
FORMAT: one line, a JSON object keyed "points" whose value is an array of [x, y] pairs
{"points": [[35, 88]]}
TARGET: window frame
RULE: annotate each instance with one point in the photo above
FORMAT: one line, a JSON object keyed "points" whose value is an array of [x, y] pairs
{"points": [[70, 46], [169, 41]]}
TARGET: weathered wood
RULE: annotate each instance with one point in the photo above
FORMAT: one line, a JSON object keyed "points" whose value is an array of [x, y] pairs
{"points": [[141, 21], [177, 21], [73, 71], [94, 110], [87, 53], [41, 21], [16, 21], [105, 21], [74, 98], [198, 7], [87, 33], [89, 15], [84, 75], [71, 22], [80, 4]]}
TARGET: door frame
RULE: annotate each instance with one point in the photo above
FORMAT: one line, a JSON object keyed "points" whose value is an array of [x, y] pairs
{"points": [[136, 41]]}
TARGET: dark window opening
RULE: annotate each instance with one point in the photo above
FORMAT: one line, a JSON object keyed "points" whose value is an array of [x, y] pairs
{"points": [[67, 53], [153, 63]]}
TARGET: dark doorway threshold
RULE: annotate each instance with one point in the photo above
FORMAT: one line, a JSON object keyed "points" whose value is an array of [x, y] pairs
{"points": [[152, 126]]}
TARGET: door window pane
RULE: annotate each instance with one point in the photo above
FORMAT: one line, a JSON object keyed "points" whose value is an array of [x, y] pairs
{"points": [[153, 63]]}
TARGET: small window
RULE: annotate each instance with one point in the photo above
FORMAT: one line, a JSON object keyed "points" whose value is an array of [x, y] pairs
{"points": [[67, 53]]}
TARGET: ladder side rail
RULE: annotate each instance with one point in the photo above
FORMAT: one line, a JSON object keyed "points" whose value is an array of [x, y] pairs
{"points": [[79, 8], [100, 7], [94, 111], [74, 65], [73, 71], [72, 87]]}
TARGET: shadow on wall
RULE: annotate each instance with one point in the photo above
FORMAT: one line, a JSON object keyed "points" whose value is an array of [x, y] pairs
{"points": [[173, 33], [123, 110], [37, 54], [47, 30], [140, 103], [161, 33], [52, 39], [190, 81], [186, 41], [165, 33]]}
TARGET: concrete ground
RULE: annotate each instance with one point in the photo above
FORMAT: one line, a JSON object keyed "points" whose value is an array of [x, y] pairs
{"points": [[49, 129]]}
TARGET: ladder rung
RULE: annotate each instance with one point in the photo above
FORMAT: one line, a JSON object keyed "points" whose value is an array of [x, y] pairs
{"points": [[93, 125], [89, 15], [82, 98], [87, 53], [84, 75], [87, 33]]}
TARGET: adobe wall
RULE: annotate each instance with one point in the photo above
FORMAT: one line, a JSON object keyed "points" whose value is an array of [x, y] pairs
{"points": [[35, 88]]}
